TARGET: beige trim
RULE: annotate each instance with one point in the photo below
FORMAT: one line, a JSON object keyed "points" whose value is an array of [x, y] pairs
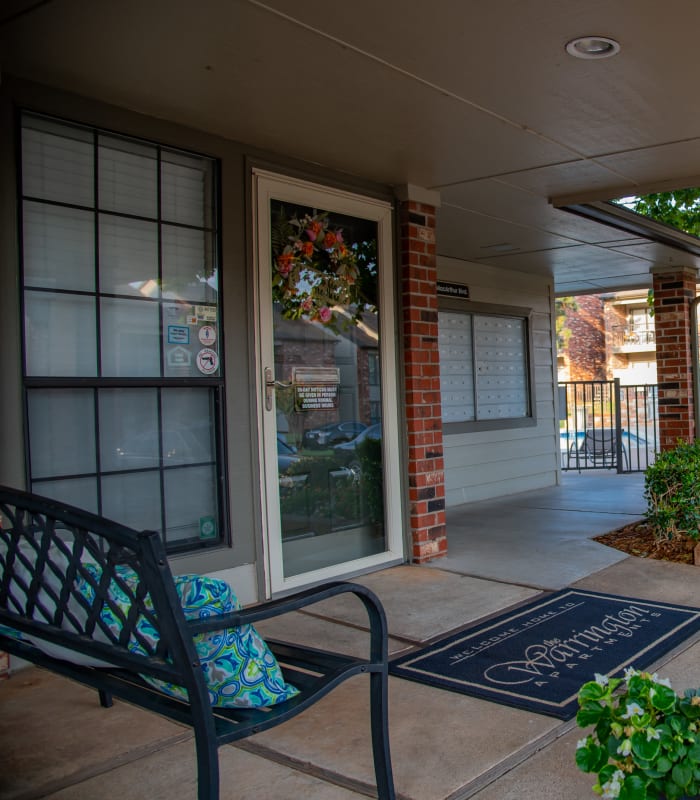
{"points": [[417, 194], [666, 269]]}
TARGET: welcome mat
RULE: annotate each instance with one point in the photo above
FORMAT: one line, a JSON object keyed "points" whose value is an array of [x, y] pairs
{"points": [[538, 655]]}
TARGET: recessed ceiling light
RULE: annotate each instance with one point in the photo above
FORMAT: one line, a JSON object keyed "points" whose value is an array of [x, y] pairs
{"points": [[592, 47]]}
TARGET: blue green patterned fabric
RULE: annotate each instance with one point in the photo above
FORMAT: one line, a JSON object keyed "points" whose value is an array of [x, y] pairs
{"points": [[239, 668]]}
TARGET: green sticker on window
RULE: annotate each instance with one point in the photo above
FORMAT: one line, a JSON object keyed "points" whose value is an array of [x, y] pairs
{"points": [[207, 528]]}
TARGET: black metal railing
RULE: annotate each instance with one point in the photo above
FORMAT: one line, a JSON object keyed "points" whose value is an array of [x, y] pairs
{"points": [[625, 336], [604, 425]]}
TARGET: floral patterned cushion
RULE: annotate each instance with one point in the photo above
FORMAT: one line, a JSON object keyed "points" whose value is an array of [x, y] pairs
{"points": [[239, 668]]}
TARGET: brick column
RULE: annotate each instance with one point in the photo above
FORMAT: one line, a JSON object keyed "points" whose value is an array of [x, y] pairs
{"points": [[426, 476], [674, 289]]}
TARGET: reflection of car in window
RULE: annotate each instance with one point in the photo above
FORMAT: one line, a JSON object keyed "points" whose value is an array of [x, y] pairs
{"points": [[346, 454], [287, 458], [179, 446], [332, 434]]}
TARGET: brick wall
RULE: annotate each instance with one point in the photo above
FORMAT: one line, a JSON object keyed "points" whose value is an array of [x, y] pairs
{"points": [[674, 289], [426, 477], [586, 345]]}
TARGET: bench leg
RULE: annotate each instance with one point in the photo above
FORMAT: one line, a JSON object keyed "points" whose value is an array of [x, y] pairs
{"points": [[379, 712], [105, 698], [207, 767]]}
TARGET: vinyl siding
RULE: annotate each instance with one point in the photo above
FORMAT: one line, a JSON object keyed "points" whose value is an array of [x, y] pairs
{"points": [[492, 463]]}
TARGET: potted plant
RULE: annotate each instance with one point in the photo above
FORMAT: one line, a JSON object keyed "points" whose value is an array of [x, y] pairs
{"points": [[646, 741]]}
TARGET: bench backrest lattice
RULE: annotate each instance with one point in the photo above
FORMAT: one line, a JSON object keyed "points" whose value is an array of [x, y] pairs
{"points": [[96, 601], [58, 576]]}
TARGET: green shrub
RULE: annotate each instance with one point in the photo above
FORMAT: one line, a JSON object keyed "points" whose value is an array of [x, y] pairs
{"points": [[672, 492]]}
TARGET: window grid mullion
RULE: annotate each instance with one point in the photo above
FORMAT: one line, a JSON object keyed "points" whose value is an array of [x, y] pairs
{"points": [[161, 472], [98, 455], [98, 383], [95, 211], [159, 214]]}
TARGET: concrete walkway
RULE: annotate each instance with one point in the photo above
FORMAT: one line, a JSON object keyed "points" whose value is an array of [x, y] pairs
{"points": [[56, 742]]}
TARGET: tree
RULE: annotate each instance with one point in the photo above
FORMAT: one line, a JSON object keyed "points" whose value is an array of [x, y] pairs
{"points": [[680, 208], [562, 306]]}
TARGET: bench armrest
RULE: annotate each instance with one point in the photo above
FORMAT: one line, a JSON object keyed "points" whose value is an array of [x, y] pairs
{"points": [[274, 608]]}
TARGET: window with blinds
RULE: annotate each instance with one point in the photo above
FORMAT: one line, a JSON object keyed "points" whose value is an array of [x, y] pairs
{"points": [[484, 372], [122, 344]]}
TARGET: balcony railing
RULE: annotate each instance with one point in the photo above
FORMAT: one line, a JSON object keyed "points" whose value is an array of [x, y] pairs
{"points": [[624, 336]]}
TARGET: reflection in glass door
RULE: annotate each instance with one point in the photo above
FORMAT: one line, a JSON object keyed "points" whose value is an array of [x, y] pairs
{"points": [[323, 395]]}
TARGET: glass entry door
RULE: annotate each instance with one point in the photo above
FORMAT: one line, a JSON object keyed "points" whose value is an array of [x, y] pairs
{"points": [[326, 449]]}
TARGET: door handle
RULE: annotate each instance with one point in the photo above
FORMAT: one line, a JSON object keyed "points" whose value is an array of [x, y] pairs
{"points": [[270, 385]]}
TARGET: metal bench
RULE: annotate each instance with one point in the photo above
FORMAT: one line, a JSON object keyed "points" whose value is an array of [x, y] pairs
{"points": [[43, 548]]}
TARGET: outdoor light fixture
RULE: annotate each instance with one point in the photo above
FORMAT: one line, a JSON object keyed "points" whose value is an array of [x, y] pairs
{"points": [[592, 47]]}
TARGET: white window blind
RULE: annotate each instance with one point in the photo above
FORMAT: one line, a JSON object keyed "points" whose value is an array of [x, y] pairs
{"points": [[119, 277], [57, 162]]}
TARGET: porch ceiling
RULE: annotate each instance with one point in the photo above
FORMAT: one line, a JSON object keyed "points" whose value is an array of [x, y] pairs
{"points": [[478, 101]]}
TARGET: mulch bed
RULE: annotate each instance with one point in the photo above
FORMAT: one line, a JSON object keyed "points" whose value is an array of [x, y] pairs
{"points": [[637, 539]]}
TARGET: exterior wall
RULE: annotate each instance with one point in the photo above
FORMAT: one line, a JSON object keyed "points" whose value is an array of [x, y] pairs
{"points": [[464, 467], [586, 345], [426, 476], [617, 362], [635, 370], [630, 356], [493, 463], [602, 345], [238, 561], [241, 562], [674, 290]]}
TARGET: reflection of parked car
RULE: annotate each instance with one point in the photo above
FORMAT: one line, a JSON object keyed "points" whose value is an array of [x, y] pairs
{"points": [[346, 453], [286, 456], [286, 459], [177, 445], [330, 435]]}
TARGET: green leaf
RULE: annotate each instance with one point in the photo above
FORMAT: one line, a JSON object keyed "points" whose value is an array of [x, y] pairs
{"points": [[691, 711], [589, 714], [682, 773], [645, 749], [606, 773], [591, 691], [663, 764], [591, 758], [662, 697], [673, 791], [675, 724], [634, 788]]}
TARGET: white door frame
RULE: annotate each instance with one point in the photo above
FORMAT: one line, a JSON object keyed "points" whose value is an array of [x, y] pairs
{"points": [[266, 187]]}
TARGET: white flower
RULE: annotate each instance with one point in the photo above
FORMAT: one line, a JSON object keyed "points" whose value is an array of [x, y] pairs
{"points": [[625, 748], [653, 733], [631, 672], [633, 710], [601, 679], [611, 789], [582, 743], [661, 681]]}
